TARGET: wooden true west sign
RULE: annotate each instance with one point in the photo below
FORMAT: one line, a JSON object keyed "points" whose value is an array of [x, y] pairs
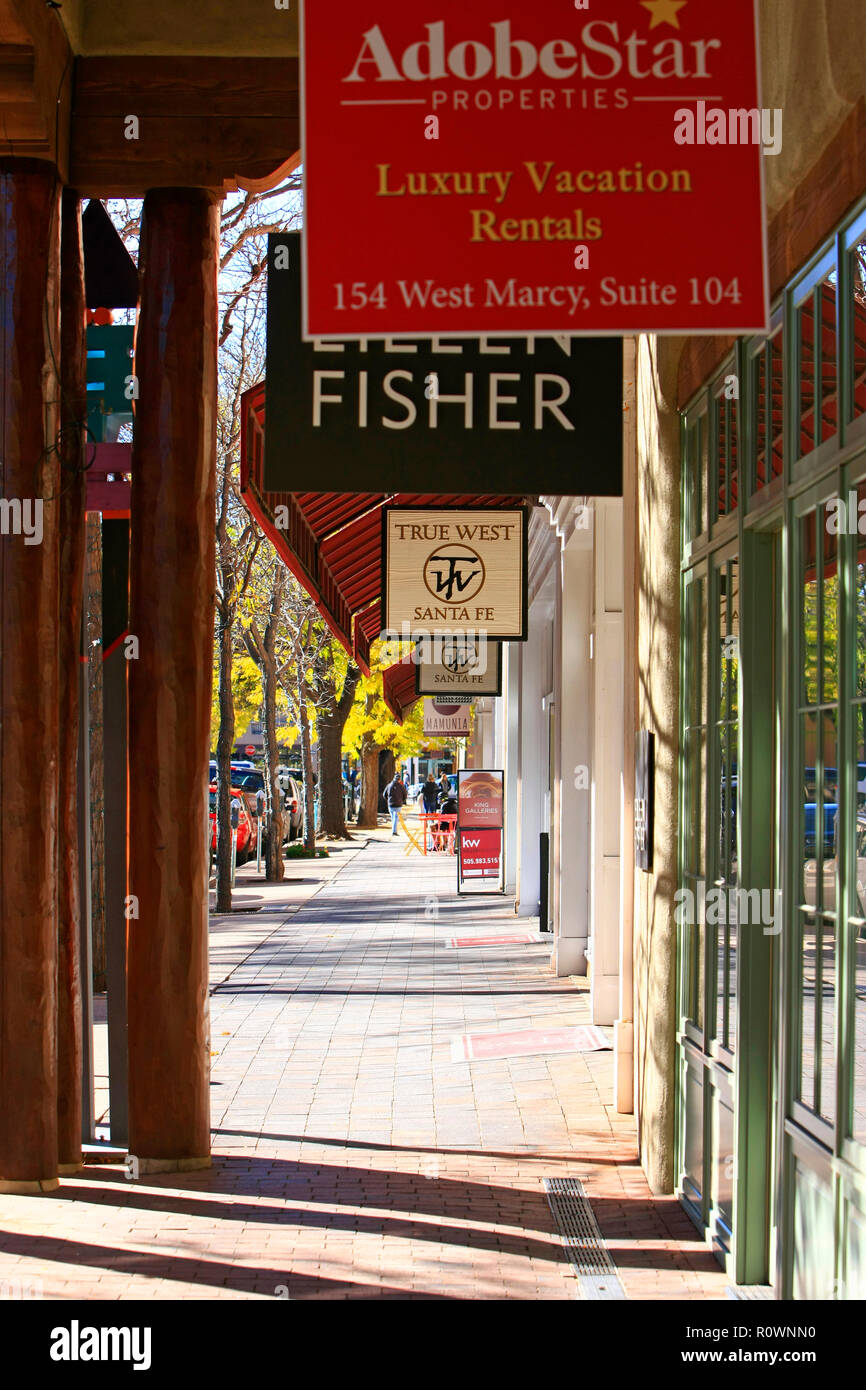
{"points": [[510, 416], [450, 571], [459, 666]]}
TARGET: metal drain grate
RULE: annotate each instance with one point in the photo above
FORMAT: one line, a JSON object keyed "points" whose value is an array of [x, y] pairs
{"points": [[583, 1241]]}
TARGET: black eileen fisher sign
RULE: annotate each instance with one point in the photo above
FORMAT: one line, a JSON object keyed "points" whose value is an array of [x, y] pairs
{"points": [[499, 415]]}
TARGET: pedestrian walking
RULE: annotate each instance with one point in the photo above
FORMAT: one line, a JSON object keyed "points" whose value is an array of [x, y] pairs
{"points": [[444, 785], [430, 793], [395, 799]]}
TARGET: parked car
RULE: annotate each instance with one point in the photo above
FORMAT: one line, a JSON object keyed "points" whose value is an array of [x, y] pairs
{"points": [[828, 870], [246, 830], [295, 805], [250, 780], [293, 812], [292, 783]]}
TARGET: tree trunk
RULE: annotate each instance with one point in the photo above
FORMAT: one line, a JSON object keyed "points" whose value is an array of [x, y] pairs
{"points": [[368, 813], [225, 742], [307, 767], [368, 816], [330, 725], [274, 798], [387, 768], [332, 813], [262, 650]]}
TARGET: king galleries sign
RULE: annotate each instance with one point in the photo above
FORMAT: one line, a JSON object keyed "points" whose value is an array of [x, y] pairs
{"points": [[455, 571], [556, 168]]}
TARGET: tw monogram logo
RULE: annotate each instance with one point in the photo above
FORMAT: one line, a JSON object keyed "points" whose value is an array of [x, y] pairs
{"points": [[460, 655], [457, 571]]}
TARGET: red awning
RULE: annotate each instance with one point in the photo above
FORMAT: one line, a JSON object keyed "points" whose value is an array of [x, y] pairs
{"points": [[398, 687], [332, 541]]}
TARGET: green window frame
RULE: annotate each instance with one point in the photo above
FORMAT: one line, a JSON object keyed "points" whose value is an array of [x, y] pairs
{"points": [[770, 446]]}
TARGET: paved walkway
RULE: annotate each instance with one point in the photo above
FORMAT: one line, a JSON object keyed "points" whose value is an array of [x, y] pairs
{"points": [[353, 1156]]}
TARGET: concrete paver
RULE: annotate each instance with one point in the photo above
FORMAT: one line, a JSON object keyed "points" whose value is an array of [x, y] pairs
{"points": [[353, 1158]]}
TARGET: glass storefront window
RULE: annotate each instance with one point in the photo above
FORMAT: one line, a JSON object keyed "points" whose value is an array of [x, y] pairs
{"points": [[809, 612], [798, 805], [819, 868], [817, 381], [858, 328], [830, 619], [826, 383], [727, 450], [857, 874], [765, 397], [695, 749], [725, 874], [806, 388], [695, 505]]}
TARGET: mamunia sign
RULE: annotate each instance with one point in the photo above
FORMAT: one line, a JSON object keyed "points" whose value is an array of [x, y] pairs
{"points": [[446, 719], [489, 168]]}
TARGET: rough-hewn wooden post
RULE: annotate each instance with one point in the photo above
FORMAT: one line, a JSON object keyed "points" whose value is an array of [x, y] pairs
{"points": [[73, 490], [172, 616], [30, 474]]}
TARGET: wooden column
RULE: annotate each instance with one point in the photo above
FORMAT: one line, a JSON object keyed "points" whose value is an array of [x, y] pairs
{"points": [[29, 346], [115, 792], [172, 560], [73, 487]]}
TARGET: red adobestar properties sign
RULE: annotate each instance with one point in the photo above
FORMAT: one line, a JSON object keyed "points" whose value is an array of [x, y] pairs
{"points": [[562, 168]]}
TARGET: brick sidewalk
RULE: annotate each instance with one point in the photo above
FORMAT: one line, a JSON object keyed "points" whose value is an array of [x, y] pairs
{"points": [[352, 1156]]}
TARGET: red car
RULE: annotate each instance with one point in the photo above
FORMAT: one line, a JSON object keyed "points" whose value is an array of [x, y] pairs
{"points": [[246, 830]]}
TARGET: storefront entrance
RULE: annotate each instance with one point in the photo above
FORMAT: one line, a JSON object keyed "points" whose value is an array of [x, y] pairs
{"points": [[728, 906], [771, 907]]}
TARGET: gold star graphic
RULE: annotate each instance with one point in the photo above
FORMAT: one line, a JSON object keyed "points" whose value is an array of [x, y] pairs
{"points": [[664, 11]]}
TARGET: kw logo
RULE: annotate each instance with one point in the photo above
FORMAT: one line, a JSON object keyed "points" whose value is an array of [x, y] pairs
{"points": [[471, 844]]}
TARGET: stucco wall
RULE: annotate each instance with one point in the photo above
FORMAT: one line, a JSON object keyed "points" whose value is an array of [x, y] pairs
{"points": [[813, 67], [658, 704]]}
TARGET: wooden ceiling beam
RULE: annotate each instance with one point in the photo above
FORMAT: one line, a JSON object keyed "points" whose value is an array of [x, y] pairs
{"points": [[35, 83], [216, 123]]}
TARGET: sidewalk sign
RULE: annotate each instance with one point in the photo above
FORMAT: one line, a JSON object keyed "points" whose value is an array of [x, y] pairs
{"points": [[480, 830]]}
